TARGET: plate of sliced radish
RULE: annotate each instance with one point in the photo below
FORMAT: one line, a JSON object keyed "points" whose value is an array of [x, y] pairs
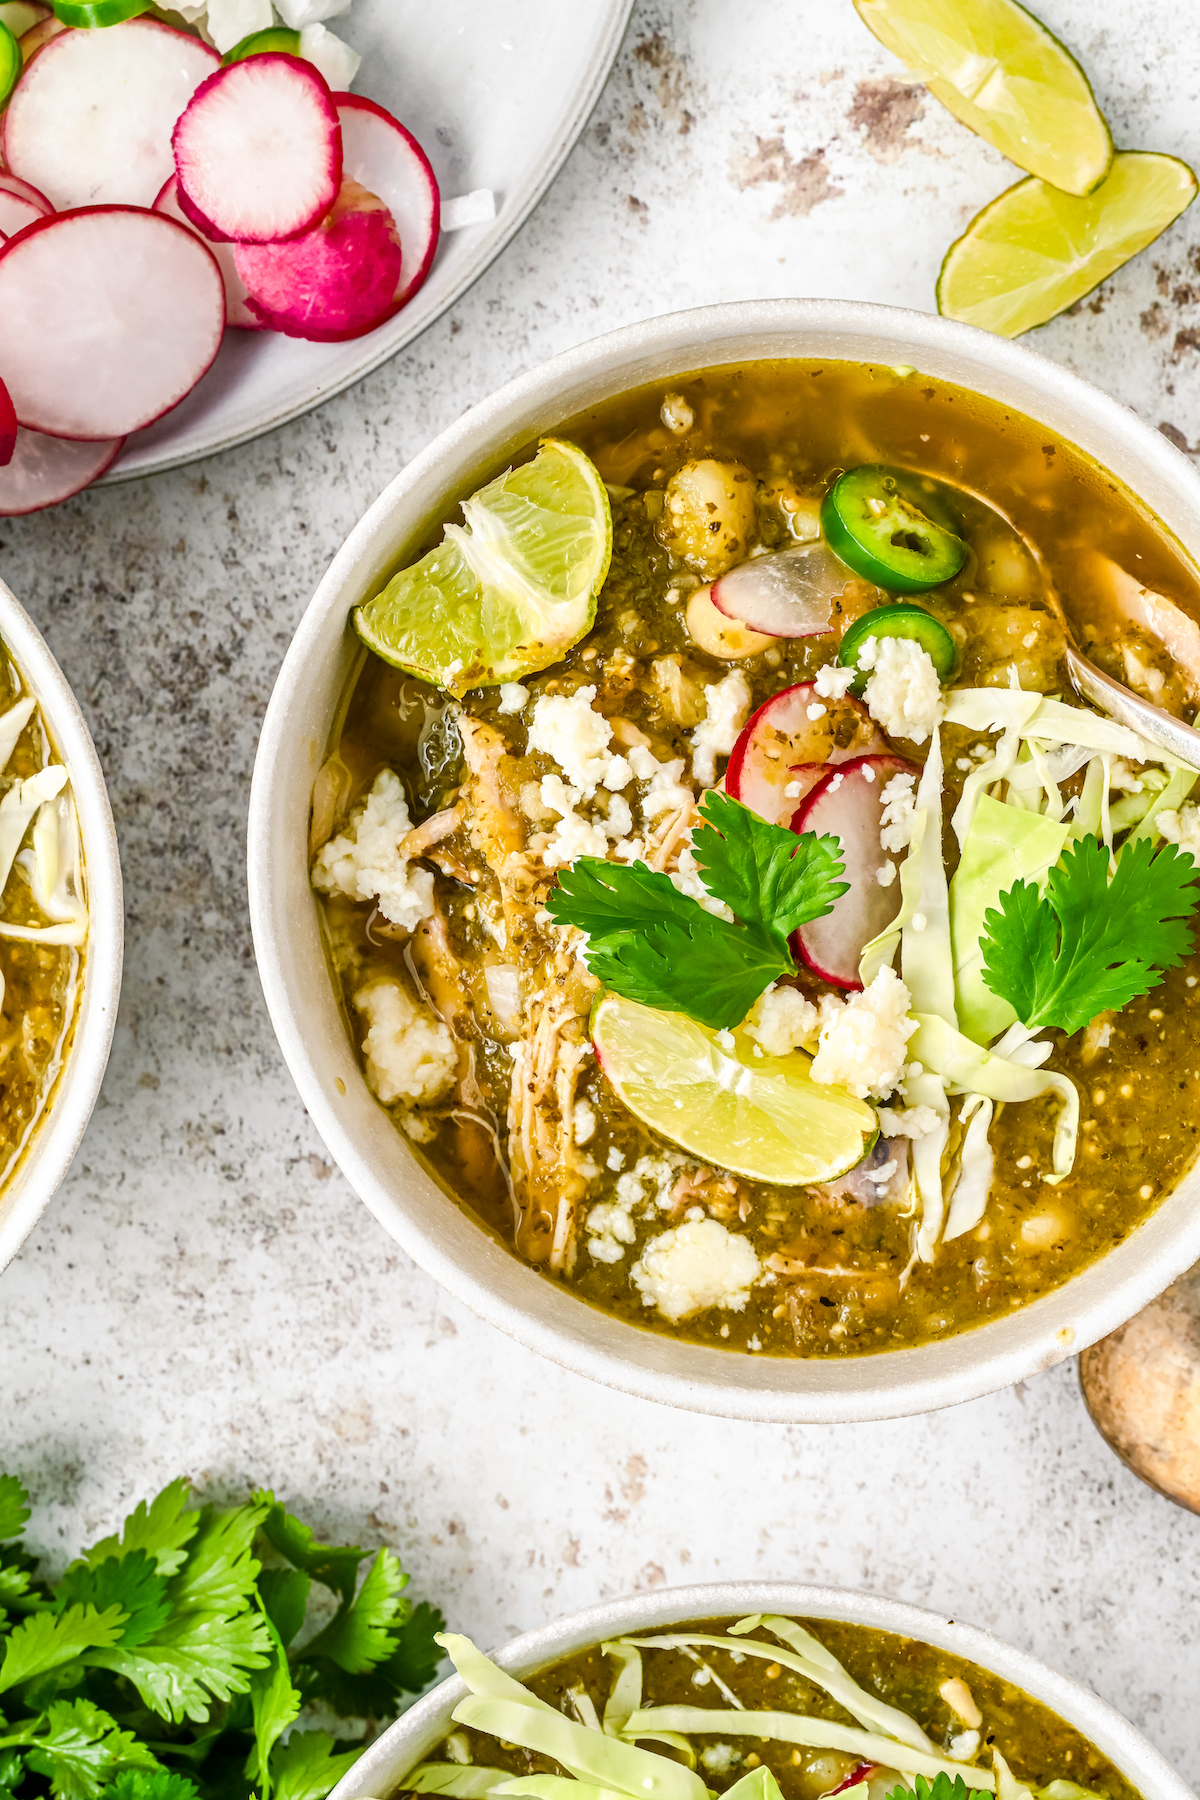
{"points": [[221, 216]]}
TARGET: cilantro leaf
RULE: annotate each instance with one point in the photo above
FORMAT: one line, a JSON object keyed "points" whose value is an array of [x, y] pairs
{"points": [[163, 1528], [609, 899], [415, 1660], [940, 1788], [151, 1784], [284, 1597], [197, 1657], [307, 1767], [708, 969], [220, 1570], [12, 1772], [275, 1704], [407, 1670], [80, 1748], [770, 876], [333, 1567], [358, 1636], [1090, 945], [46, 1640], [14, 1507], [131, 1582]]}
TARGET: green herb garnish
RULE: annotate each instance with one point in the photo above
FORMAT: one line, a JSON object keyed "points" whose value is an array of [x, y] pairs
{"points": [[161, 1666], [1090, 944], [651, 943], [940, 1788]]}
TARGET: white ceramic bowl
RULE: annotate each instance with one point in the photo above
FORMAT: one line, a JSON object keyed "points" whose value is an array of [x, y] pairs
{"points": [[56, 1137], [300, 995], [378, 1772]]}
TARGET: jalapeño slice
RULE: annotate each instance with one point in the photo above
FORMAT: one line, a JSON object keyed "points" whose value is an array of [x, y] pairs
{"points": [[10, 63], [91, 14], [904, 620], [887, 528], [278, 38]]}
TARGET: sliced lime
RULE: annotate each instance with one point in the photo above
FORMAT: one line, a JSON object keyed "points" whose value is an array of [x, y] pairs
{"points": [[510, 592], [1035, 250], [10, 63], [756, 1115], [997, 68]]}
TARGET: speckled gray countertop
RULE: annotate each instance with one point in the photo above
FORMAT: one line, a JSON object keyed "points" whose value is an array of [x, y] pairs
{"points": [[205, 1294]]}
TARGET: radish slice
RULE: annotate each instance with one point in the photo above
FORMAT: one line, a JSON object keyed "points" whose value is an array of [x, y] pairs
{"points": [[237, 313], [39, 35], [780, 743], [258, 151], [111, 315], [387, 160], [848, 804], [788, 593], [90, 122], [45, 470], [337, 281], [24, 190], [8, 427], [16, 212]]}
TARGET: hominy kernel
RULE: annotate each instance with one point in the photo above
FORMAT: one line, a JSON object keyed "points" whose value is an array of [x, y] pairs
{"points": [[1156, 1012], [1025, 1162], [1146, 1192], [1098, 1097], [1126, 1090]]}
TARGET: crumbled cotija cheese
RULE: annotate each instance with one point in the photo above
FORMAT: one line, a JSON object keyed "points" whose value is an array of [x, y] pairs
{"points": [[862, 1040], [410, 1054], [833, 682], [693, 1267], [895, 825], [574, 835], [903, 694], [610, 1223], [728, 705], [909, 1122], [567, 728], [667, 792], [1182, 828], [512, 697], [365, 863], [781, 1019]]}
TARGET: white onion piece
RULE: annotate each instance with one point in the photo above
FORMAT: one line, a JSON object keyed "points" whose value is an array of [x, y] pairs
{"points": [[504, 994], [787, 593]]}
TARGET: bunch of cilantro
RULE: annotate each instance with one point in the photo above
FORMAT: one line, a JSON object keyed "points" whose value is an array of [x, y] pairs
{"points": [[169, 1662]]}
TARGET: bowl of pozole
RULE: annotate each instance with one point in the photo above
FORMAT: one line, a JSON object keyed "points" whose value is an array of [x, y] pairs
{"points": [[61, 925], [703, 919], [759, 1691]]}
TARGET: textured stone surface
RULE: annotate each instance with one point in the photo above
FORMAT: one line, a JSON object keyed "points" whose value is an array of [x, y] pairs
{"points": [[205, 1293]]}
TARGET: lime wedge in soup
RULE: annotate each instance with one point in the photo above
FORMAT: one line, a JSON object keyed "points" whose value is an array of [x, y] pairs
{"points": [[997, 68], [509, 592], [1035, 251], [759, 1116]]}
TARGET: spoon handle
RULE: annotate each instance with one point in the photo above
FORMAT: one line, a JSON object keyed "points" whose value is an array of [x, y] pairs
{"points": [[1129, 709]]}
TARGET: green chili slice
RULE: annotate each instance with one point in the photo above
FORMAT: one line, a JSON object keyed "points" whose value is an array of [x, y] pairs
{"points": [[10, 63], [277, 38], [903, 620], [892, 528], [92, 13]]}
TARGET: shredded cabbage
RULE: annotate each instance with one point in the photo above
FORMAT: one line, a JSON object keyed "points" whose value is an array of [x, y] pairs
{"points": [[589, 1755], [12, 724], [463, 1781], [967, 1069], [977, 1163], [625, 1696], [820, 1734]]}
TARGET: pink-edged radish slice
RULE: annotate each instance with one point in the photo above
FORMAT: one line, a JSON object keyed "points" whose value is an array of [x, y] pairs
{"points": [[338, 281], [16, 213], [24, 190], [237, 313], [787, 593], [111, 315], [45, 470], [848, 804], [387, 160], [39, 35], [258, 151], [8, 427], [90, 122], [791, 730]]}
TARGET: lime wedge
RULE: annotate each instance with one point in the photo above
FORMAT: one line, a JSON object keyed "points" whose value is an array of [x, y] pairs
{"points": [[1035, 250], [510, 592], [1002, 73], [759, 1116]]}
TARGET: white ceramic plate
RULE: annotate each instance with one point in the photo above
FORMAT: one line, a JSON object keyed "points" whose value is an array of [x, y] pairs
{"points": [[496, 93], [379, 1771]]}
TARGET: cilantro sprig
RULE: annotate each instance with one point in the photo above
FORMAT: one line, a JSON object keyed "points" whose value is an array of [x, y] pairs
{"points": [[649, 942], [168, 1663], [1090, 944], [940, 1788]]}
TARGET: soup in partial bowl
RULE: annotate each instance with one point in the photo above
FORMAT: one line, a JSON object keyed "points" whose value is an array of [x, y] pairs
{"points": [[762, 1691], [727, 895], [60, 925]]}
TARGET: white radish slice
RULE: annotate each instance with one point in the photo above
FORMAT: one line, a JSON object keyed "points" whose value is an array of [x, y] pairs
{"points": [[237, 313], [387, 160], [848, 804], [16, 213], [111, 315], [90, 120], [787, 593], [24, 190], [39, 35], [45, 470], [790, 732], [338, 281], [258, 151]]}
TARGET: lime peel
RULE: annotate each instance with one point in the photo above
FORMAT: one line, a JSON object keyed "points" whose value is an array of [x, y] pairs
{"points": [[759, 1116], [510, 591], [1034, 250], [995, 66]]}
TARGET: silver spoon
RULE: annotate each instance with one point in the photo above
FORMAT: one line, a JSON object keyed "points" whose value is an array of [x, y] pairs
{"points": [[1126, 707]]}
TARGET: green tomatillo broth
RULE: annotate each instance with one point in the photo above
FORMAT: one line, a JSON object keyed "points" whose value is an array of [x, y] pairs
{"points": [[471, 1005]]}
